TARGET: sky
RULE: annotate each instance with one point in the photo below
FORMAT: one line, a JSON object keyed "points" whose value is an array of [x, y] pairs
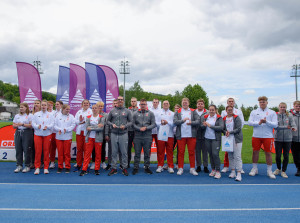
{"points": [[241, 49]]}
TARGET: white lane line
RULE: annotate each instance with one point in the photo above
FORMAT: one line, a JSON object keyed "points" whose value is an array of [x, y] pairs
{"points": [[149, 210]]}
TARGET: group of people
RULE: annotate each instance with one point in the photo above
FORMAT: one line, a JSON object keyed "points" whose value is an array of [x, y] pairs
{"points": [[40, 132]]}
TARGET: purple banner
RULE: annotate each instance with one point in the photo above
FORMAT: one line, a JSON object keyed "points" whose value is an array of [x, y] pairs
{"points": [[29, 83], [63, 85], [77, 90], [112, 86], [95, 84]]}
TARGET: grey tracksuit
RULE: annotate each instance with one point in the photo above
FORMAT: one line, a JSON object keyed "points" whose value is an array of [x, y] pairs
{"points": [[200, 144], [119, 137], [143, 139], [99, 130]]}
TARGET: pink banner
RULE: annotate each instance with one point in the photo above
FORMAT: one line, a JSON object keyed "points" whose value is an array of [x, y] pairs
{"points": [[29, 83], [77, 87], [112, 86]]}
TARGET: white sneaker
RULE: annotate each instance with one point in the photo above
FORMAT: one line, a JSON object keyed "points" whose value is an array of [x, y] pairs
{"points": [[283, 174], [232, 174], [238, 177], [75, 165], [180, 171], [52, 165], [218, 175], [276, 172], [104, 165], [225, 169], [26, 169], [18, 169], [159, 169], [92, 167], [193, 172], [253, 172], [170, 170], [165, 167], [212, 173], [242, 172], [46, 171], [271, 175], [37, 171]]}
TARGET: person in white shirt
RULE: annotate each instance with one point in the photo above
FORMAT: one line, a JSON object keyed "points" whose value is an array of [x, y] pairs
{"points": [[36, 108], [23, 138], [64, 125], [156, 110], [165, 119], [263, 120], [80, 120], [42, 124]]}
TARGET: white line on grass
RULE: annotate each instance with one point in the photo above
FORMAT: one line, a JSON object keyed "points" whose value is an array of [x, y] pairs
{"points": [[149, 210]]}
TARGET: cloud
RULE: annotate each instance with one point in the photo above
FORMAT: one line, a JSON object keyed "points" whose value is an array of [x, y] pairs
{"points": [[249, 91]]}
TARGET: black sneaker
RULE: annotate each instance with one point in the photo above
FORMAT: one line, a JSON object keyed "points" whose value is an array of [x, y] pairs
{"points": [[297, 174], [77, 169], [125, 172], [97, 172], [108, 167], [67, 170], [135, 171], [112, 172], [148, 171], [206, 170], [82, 173], [59, 170], [198, 169]]}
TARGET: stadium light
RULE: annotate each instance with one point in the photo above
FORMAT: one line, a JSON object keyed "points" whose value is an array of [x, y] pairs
{"points": [[294, 73], [124, 69]]}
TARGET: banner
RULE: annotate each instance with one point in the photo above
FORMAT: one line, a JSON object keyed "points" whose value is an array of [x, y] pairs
{"points": [[95, 84], [77, 90], [63, 85], [112, 86], [29, 83]]}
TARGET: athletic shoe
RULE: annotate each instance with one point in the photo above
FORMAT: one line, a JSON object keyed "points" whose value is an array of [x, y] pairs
{"points": [[52, 165], [271, 175], [206, 170], [46, 171], [159, 169], [18, 169], [276, 172], [108, 167], [217, 175], [59, 170], [198, 169], [92, 167], [283, 174], [212, 173], [232, 174], [170, 170], [238, 177], [193, 172], [225, 169], [97, 172], [37, 171], [67, 170], [77, 169], [125, 172], [253, 172], [180, 171], [242, 171], [297, 174], [104, 165], [75, 165], [112, 172], [135, 171], [26, 169], [148, 171], [82, 173], [165, 167]]}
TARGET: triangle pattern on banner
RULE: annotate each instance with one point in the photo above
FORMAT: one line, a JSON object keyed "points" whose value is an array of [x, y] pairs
{"points": [[30, 97], [78, 98], [95, 97], [109, 97], [65, 97]]}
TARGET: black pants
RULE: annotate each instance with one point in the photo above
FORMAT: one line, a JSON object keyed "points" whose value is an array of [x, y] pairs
{"points": [[282, 147], [130, 143], [23, 143], [296, 153]]}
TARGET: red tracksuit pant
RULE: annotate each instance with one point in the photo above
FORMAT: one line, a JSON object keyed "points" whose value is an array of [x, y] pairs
{"points": [[80, 141], [161, 148], [226, 160], [42, 144], [64, 153], [53, 148], [191, 144], [88, 149]]}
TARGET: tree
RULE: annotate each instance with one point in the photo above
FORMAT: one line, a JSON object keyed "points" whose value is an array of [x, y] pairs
{"points": [[221, 108], [194, 93]]}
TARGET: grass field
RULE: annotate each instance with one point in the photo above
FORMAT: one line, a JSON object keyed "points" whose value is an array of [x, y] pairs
{"points": [[246, 150]]}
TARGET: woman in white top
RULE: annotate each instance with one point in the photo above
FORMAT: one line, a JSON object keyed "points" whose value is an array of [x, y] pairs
{"points": [[64, 125], [52, 149], [80, 120], [42, 124], [36, 108], [23, 138]]}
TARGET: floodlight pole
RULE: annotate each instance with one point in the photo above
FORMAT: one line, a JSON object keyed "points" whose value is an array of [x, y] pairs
{"points": [[124, 69], [295, 69], [38, 65]]}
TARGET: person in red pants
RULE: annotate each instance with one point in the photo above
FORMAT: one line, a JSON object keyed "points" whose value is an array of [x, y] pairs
{"points": [[94, 138], [64, 125], [42, 124], [186, 121], [165, 119]]}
